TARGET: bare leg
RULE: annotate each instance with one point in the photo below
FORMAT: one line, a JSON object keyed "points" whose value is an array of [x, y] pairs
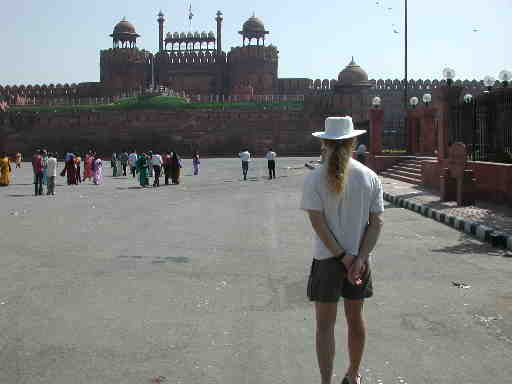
{"points": [[356, 330], [325, 341]]}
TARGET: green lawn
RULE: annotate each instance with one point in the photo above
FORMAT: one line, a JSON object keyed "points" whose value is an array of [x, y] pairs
{"points": [[161, 103]]}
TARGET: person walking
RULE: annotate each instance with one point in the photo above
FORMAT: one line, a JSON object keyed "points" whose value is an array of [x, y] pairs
{"points": [[113, 164], [18, 159], [195, 163], [124, 161], [88, 166], [132, 161], [175, 168], [361, 153], [45, 168], [245, 156], [271, 160], [5, 170], [150, 168], [157, 162], [70, 168], [142, 170], [52, 174], [37, 165], [97, 170], [344, 202], [167, 166], [78, 165]]}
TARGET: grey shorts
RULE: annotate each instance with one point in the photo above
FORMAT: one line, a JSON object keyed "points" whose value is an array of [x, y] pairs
{"points": [[326, 285]]}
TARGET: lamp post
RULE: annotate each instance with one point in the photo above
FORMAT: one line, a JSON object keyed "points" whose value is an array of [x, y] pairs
{"points": [[414, 101], [469, 99], [427, 99], [505, 76], [449, 75], [376, 102]]}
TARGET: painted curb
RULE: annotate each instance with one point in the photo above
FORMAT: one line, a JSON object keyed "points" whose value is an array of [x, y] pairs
{"points": [[481, 232]]}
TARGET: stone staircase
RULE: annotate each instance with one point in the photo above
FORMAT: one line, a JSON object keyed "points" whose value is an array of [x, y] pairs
{"points": [[408, 171]]}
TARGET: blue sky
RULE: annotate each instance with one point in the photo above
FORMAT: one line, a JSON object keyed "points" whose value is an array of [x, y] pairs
{"points": [[58, 41]]}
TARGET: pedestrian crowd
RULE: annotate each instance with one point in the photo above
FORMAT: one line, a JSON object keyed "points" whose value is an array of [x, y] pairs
{"points": [[78, 169]]}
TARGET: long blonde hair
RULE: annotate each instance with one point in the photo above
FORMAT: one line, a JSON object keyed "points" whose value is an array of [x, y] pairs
{"points": [[337, 162]]}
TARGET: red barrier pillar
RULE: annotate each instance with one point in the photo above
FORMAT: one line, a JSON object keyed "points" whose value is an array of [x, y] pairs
{"points": [[376, 120], [428, 136]]}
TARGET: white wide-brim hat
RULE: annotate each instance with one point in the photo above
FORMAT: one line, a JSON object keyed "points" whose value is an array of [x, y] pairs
{"points": [[339, 128]]}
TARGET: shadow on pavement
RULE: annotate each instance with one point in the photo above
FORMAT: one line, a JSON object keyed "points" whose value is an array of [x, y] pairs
{"points": [[469, 246]]}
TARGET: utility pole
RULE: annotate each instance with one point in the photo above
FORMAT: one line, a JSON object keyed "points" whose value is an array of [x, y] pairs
{"points": [[406, 79]]}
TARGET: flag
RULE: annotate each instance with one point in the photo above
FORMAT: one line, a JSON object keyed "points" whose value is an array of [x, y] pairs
{"points": [[190, 14]]}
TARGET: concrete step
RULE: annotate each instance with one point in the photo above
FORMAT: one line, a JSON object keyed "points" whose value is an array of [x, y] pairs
{"points": [[399, 172], [410, 180], [407, 167]]}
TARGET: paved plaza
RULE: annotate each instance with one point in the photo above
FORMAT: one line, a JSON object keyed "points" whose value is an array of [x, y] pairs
{"points": [[205, 282]]}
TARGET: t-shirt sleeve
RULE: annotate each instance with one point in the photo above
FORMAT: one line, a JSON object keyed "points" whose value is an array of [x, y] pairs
{"points": [[311, 199], [377, 204]]}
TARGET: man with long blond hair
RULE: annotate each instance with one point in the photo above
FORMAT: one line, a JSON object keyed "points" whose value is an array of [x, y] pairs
{"points": [[344, 202]]}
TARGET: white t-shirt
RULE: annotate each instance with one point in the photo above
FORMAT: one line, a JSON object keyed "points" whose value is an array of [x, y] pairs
{"points": [[52, 166], [271, 155], [156, 160], [245, 156], [347, 215]]}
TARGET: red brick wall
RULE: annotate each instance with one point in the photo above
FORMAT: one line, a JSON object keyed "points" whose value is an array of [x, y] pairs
{"points": [[222, 132], [493, 180]]}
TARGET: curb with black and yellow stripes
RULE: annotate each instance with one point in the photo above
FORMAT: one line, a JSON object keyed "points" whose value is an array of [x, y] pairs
{"points": [[490, 235]]}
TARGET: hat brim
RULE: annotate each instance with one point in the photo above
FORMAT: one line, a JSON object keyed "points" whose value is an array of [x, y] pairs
{"points": [[354, 133]]}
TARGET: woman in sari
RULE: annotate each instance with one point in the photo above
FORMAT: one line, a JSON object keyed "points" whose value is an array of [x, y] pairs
{"points": [[143, 170], [88, 166], [175, 168], [5, 170], [70, 168], [97, 170]]}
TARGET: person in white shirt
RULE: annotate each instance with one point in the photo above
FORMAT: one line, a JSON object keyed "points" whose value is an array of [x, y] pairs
{"points": [[344, 202], [245, 156], [52, 174], [132, 160], [361, 153], [157, 162], [271, 159]]}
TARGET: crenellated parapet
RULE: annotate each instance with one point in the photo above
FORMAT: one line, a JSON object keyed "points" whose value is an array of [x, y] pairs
{"points": [[203, 57]]}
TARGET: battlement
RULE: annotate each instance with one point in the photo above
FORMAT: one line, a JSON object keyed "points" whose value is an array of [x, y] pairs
{"points": [[125, 55], [253, 51], [191, 57]]}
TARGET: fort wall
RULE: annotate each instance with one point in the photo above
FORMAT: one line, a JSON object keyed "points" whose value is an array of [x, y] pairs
{"points": [[211, 132]]}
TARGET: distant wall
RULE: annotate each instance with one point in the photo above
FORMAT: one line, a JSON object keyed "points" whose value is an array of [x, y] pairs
{"points": [[211, 132]]}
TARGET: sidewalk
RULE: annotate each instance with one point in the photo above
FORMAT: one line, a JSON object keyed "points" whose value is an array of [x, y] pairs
{"points": [[487, 221]]}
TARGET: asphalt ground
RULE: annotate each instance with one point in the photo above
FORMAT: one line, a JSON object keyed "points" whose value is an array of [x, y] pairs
{"points": [[205, 282]]}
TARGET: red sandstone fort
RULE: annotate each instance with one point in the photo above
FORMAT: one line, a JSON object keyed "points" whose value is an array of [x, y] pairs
{"points": [[195, 64]]}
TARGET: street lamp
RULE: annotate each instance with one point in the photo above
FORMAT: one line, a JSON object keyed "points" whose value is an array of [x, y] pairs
{"points": [[468, 98], [449, 75], [505, 76], [414, 101], [427, 98], [489, 82], [376, 102]]}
